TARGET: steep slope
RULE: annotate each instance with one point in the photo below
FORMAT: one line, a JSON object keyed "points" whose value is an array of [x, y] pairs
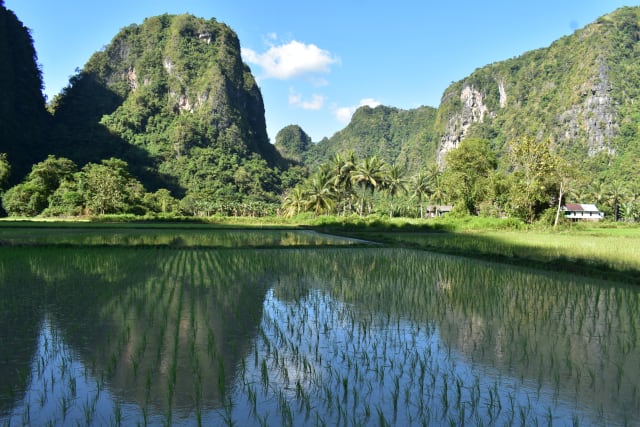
{"points": [[23, 117], [580, 92], [292, 142], [403, 137], [173, 98]]}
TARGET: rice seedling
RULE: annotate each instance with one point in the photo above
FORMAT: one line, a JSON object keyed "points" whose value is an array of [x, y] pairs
{"points": [[357, 336]]}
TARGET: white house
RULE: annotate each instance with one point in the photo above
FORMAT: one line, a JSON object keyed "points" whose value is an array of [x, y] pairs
{"points": [[582, 212], [434, 211]]}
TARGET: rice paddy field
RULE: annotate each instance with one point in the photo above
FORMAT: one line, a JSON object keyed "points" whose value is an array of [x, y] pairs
{"points": [[143, 326], [605, 252]]}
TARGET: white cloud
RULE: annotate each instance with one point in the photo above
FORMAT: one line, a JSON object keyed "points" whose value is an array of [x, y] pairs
{"points": [[316, 102], [369, 102], [343, 114], [293, 59]]}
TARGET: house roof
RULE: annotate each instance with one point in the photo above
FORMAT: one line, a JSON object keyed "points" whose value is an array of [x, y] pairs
{"points": [[581, 207]]}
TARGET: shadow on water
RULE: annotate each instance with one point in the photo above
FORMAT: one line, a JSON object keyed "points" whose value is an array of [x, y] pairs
{"points": [[156, 330]]}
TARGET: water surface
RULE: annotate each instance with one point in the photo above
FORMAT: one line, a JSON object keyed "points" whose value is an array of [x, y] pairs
{"points": [[308, 336]]}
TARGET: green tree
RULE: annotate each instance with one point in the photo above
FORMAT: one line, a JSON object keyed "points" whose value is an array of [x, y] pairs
{"points": [[467, 172], [161, 201], [422, 189], [616, 194], [394, 184], [368, 175], [66, 200], [565, 173], [24, 199], [533, 169], [5, 171], [108, 187], [343, 168], [319, 193], [294, 201], [50, 173], [31, 197]]}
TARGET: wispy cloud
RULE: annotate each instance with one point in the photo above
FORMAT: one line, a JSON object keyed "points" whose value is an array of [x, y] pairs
{"points": [[316, 102], [343, 114], [290, 60]]}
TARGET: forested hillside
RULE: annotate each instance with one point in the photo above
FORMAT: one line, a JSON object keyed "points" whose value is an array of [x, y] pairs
{"points": [[402, 137], [173, 98], [167, 118], [580, 92], [515, 138], [23, 117]]}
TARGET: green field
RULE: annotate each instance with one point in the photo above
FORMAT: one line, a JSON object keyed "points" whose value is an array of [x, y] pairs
{"points": [[607, 251], [211, 324]]}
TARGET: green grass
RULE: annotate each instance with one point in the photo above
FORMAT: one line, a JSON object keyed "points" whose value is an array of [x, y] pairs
{"points": [[614, 256], [604, 250]]}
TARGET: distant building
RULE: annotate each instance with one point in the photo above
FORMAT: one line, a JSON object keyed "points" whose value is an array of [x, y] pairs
{"points": [[582, 212], [434, 211]]}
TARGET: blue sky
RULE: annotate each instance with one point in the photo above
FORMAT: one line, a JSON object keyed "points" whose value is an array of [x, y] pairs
{"points": [[316, 62]]}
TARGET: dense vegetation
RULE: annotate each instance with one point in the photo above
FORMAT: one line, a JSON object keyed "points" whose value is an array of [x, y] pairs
{"points": [[176, 102], [537, 179], [170, 98], [172, 118], [404, 137], [559, 124], [578, 93], [23, 117]]}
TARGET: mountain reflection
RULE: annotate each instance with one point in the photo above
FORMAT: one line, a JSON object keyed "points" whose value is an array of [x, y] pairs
{"points": [[184, 334], [164, 330]]}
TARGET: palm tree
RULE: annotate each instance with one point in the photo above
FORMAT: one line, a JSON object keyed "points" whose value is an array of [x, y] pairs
{"points": [[421, 189], [319, 192], [394, 184], [294, 202], [342, 168], [578, 194], [368, 175], [438, 191], [598, 193], [616, 193]]}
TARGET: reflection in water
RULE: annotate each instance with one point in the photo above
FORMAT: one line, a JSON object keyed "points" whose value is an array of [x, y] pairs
{"points": [[309, 336], [205, 237]]}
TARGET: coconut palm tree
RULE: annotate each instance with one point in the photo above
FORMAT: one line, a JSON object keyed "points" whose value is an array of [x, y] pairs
{"points": [[342, 167], [578, 195], [421, 189], [294, 201], [368, 176], [438, 191], [319, 193], [598, 193], [393, 184], [616, 194]]}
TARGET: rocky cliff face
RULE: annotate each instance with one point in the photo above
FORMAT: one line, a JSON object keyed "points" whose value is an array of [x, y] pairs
{"points": [[577, 92], [595, 118], [472, 110], [592, 121]]}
